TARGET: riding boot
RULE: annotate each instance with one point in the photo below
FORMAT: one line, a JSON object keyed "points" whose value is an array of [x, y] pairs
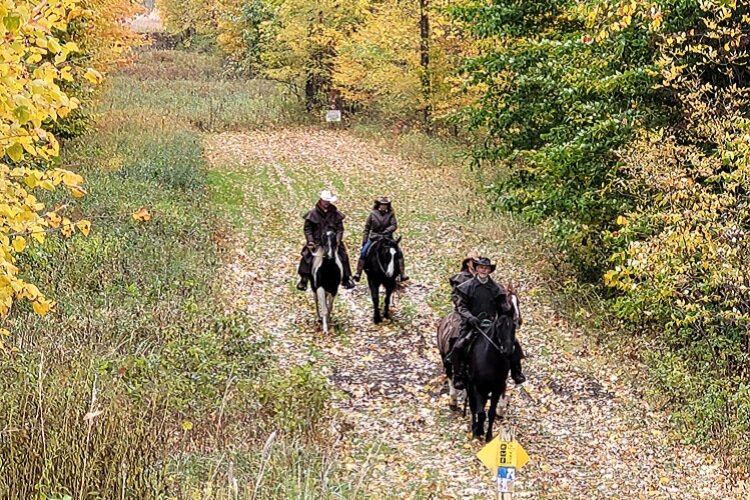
{"points": [[401, 270], [516, 372], [456, 359], [360, 267], [457, 365], [302, 285]]}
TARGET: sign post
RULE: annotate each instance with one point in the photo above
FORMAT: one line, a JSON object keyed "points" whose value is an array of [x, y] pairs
{"points": [[504, 456]]}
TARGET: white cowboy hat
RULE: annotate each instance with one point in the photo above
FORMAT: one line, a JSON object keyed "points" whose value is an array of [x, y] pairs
{"points": [[326, 195]]}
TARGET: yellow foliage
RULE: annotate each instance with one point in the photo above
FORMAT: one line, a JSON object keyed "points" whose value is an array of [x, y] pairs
{"points": [[142, 215], [185, 16], [33, 63]]}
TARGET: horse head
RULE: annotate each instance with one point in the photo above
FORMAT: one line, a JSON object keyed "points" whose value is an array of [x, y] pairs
{"points": [[330, 244], [386, 253]]}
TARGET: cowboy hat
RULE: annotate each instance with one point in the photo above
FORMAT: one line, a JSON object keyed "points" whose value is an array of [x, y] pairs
{"points": [[327, 195], [469, 259], [382, 200], [484, 261]]}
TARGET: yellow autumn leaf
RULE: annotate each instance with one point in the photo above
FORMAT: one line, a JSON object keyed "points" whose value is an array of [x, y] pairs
{"points": [[54, 219], [38, 236], [187, 425], [77, 192], [29, 291], [142, 214], [622, 221], [84, 226], [19, 243], [67, 228], [42, 307], [93, 76], [72, 180]]}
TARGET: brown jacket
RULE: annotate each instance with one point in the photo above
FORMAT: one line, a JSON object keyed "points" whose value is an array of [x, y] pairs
{"points": [[318, 221], [380, 224]]}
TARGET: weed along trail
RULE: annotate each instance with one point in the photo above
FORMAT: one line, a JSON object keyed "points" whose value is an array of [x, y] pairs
{"points": [[585, 428]]}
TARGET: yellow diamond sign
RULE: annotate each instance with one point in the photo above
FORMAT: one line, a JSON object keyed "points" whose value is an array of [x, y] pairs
{"points": [[498, 453]]}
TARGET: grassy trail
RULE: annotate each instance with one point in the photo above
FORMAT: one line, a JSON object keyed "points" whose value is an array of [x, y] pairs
{"points": [[584, 426]]}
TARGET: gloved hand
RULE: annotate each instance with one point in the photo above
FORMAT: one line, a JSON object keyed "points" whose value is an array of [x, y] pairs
{"points": [[475, 322]]}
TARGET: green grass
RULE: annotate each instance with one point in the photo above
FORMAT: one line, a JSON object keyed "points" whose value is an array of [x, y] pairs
{"points": [[191, 88], [188, 393]]}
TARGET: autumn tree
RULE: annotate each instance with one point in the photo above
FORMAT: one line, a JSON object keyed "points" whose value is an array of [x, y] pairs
{"points": [[681, 267], [37, 59]]}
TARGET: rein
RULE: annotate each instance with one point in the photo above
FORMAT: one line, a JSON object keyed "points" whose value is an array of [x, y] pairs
{"points": [[492, 342]]}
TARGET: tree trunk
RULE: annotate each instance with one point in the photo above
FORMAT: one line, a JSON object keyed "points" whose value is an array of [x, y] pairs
{"points": [[424, 61]]}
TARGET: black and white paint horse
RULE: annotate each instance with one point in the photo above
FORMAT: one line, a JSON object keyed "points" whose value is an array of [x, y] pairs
{"points": [[382, 270], [447, 333], [327, 271]]}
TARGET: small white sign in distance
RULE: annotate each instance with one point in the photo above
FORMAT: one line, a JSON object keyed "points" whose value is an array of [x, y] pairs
{"points": [[333, 115]]}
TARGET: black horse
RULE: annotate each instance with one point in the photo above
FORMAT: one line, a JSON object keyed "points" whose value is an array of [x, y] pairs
{"points": [[382, 269], [327, 271], [488, 368], [448, 329]]}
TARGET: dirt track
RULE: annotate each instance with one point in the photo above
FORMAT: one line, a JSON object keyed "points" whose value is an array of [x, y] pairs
{"points": [[586, 430]]}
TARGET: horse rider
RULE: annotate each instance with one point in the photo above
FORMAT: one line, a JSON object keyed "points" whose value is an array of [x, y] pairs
{"points": [[322, 217], [465, 274], [480, 296], [381, 223]]}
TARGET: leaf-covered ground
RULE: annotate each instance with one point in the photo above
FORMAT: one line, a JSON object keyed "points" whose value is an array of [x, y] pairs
{"points": [[585, 426]]}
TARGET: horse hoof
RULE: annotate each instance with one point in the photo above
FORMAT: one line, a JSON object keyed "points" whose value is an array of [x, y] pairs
{"points": [[377, 321]]}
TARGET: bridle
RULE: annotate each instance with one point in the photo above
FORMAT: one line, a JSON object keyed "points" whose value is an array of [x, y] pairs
{"points": [[487, 323], [381, 244], [329, 251]]}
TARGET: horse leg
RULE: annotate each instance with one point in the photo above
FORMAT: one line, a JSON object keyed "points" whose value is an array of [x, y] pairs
{"points": [[329, 307], [317, 306], [375, 294], [454, 395], [478, 402], [323, 308], [493, 412], [387, 307], [502, 406]]}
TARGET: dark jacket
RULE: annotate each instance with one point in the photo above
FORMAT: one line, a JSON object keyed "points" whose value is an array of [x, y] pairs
{"points": [[379, 223], [318, 221], [459, 278], [456, 280], [475, 298]]}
